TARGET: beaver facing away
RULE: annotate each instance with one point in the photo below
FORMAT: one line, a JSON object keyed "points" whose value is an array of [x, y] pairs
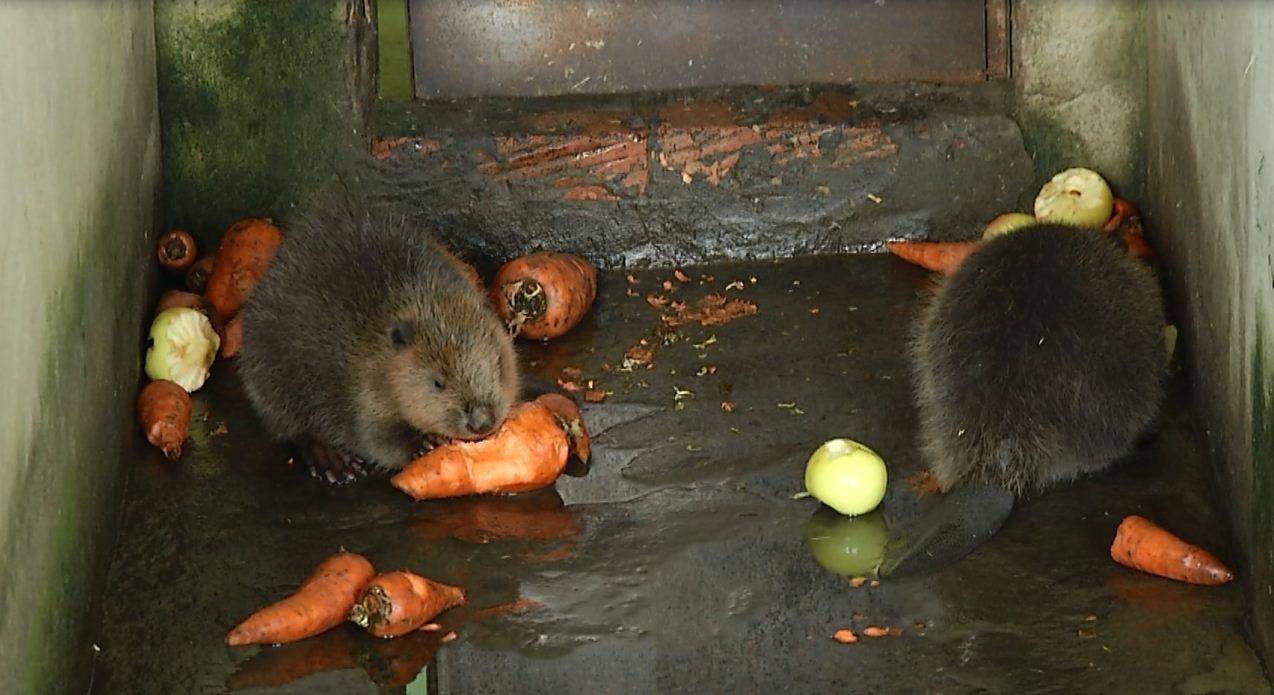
{"points": [[364, 340], [1040, 360]]}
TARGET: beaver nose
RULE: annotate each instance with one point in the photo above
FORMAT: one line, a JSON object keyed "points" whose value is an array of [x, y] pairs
{"points": [[480, 419]]}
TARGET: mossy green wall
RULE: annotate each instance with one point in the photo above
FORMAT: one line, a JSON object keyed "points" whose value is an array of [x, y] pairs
{"points": [[258, 104], [79, 156], [1211, 174], [1079, 72]]}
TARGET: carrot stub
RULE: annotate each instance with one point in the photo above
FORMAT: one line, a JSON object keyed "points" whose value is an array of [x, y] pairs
{"points": [[164, 409], [320, 603], [942, 256], [528, 451], [197, 275], [1144, 545], [176, 250], [396, 603], [242, 257], [544, 294]]}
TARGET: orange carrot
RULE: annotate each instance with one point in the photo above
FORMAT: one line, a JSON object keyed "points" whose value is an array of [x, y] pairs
{"points": [[242, 257], [528, 451], [396, 603], [197, 275], [232, 337], [1126, 221], [568, 415], [1144, 545], [164, 409], [845, 636], [176, 250], [942, 256], [320, 603], [544, 294]]}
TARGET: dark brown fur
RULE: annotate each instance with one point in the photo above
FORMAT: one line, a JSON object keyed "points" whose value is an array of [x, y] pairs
{"points": [[1041, 359], [363, 336]]}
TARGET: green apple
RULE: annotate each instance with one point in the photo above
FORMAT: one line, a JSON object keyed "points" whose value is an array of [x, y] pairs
{"points": [[848, 545], [1007, 222], [846, 476], [1076, 196], [182, 347]]}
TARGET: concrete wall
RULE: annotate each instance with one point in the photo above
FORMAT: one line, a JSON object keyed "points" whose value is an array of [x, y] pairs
{"points": [[79, 156], [1211, 214], [262, 102], [1079, 71]]}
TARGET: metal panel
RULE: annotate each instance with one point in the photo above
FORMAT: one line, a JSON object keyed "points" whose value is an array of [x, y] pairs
{"points": [[465, 48]]}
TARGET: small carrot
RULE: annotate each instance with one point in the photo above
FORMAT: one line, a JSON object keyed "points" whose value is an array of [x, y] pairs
{"points": [[544, 294], [1144, 545], [164, 410], [242, 257], [320, 603], [232, 337], [845, 636], [176, 250], [942, 256], [396, 603], [197, 275], [528, 451]]}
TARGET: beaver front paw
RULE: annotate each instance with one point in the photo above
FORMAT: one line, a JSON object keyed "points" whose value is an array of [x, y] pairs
{"points": [[325, 462]]}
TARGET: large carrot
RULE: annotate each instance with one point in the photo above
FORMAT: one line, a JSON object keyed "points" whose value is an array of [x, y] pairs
{"points": [[242, 257], [1144, 545], [528, 451], [321, 602], [396, 603], [176, 250], [942, 256], [164, 409], [544, 294]]}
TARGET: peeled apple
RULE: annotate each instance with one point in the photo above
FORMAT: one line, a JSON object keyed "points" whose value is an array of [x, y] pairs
{"points": [[182, 347], [1076, 196], [846, 476], [1007, 222]]}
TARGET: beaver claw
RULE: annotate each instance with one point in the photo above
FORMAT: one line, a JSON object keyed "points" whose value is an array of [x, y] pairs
{"points": [[324, 462], [427, 443]]}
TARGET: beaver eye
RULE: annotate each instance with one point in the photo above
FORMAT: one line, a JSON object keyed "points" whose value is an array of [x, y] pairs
{"points": [[401, 333], [439, 385]]}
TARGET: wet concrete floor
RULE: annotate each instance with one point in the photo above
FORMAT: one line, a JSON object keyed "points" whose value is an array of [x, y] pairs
{"points": [[679, 560]]}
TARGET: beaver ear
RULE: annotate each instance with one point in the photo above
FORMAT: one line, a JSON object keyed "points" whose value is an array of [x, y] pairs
{"points": [[401, 332]]}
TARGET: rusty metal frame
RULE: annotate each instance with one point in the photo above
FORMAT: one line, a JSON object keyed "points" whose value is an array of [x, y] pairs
{"points": [[999, 47]]}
